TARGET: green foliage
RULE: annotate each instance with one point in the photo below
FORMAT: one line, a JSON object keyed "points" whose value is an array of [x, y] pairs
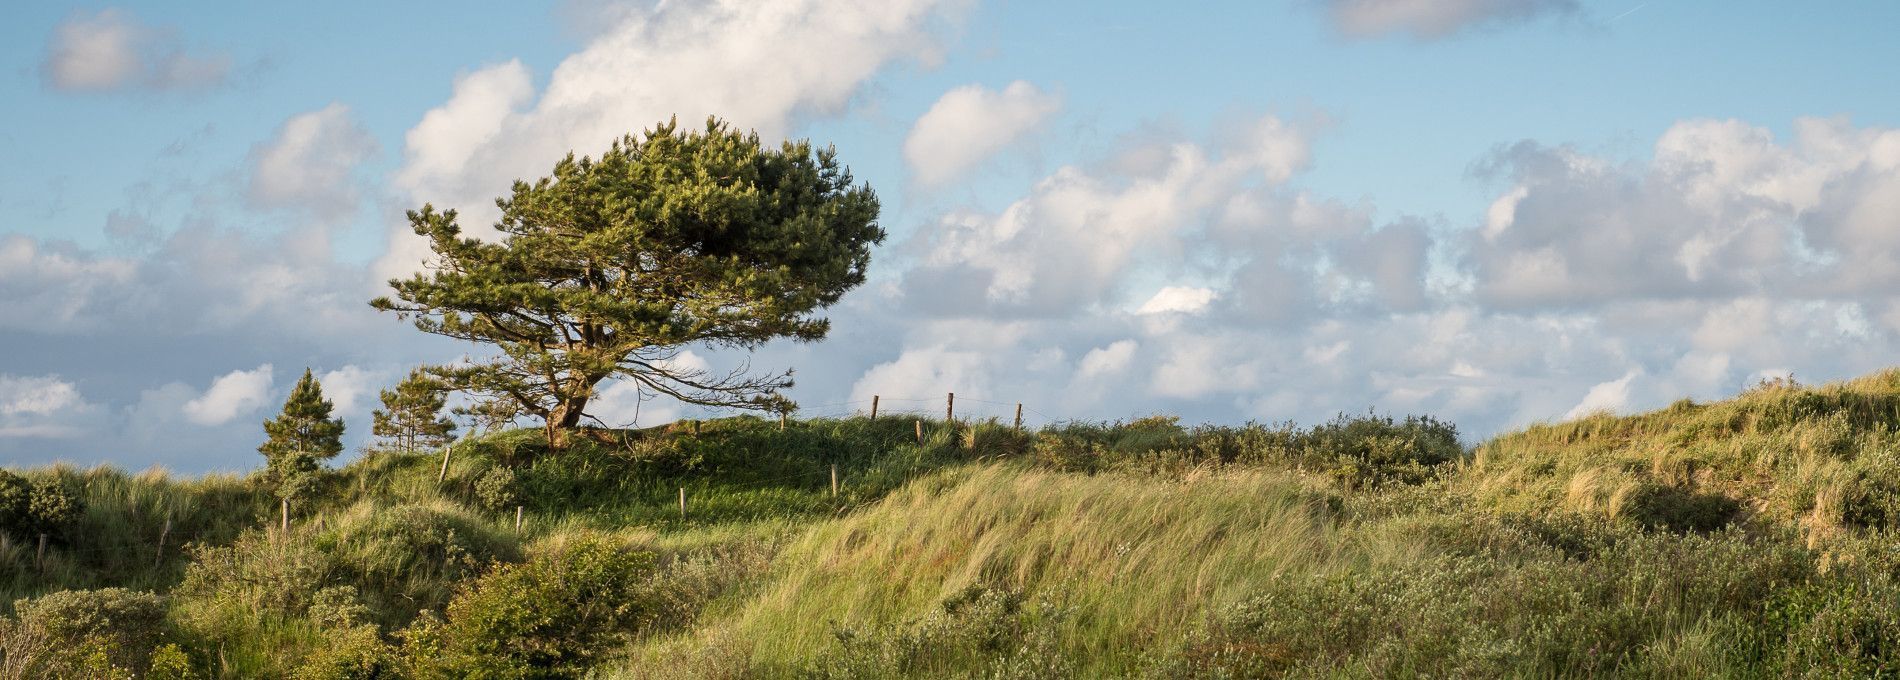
{"points": [[993, 624], [411, 418], [300, 439], [396, 561], [550, 617], [609, 265], [496, 489], [1357, 451], [106, 630]]}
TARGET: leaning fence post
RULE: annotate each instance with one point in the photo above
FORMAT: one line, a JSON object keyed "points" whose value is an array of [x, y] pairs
{"points": [[159, 557], [444, 474], [39, 556], [1019, 415], [874, 407]]}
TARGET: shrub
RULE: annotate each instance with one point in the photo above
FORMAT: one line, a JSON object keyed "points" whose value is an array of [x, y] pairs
{"points": [[981, 628], [407, 558], [551, 617], [354, 652], [495, 489], [120, 626], [15, 503]]}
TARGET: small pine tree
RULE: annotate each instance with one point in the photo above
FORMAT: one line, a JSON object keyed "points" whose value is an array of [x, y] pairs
{"points": [[301, 438], [411, 418]]}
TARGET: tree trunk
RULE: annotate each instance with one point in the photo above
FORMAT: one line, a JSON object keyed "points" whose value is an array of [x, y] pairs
{"points": [[564, 417]]}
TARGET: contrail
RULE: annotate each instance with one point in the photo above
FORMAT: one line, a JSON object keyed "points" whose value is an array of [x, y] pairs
{"points": [[1631, 10]]}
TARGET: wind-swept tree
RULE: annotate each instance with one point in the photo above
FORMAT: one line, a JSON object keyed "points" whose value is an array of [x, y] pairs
{"points": [[300, 439], [610, 266], [411, 417]]}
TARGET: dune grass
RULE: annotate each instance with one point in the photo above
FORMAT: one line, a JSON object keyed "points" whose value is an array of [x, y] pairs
{"points": [[1744, 538]]}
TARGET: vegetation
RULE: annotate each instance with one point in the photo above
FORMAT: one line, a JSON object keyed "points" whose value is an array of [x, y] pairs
{"points": [[300, 439], [411, 417], [1744, 538], [610, 266]]}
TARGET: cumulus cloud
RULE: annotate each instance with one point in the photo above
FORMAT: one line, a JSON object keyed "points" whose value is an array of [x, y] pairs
{"points": [[759, 65], [41, 407], [1103, 361], [353, 390], [1178, 300], [1606, 397], [1083, 235], [233, 394], [1434, 19], [970, 124], [112, 51], [309, 162], [1722, 210]]}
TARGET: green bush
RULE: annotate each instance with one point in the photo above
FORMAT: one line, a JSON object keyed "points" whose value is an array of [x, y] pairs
{"points": [[121, 626], [407, 558], [495, 489], [551, 617]]}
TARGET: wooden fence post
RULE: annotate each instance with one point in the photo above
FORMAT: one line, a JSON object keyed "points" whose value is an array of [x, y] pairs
{"points": [[834, 480], [39, 556], [874, 407], [517, 519], [1019, 415], [950, 408], [782, 415], [284, 512], [444, 474], [159, 558], [920, 432], [682, 502]]}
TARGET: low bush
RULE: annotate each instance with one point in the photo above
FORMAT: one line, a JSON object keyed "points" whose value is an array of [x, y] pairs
{"points": [[550, 617], [96, 630]]}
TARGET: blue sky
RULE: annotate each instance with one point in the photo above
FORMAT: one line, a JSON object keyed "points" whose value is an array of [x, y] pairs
{"points": [[1499, 211]]}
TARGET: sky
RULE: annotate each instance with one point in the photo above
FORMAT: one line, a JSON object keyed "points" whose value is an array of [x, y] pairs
{"points": [[1498, 212]]}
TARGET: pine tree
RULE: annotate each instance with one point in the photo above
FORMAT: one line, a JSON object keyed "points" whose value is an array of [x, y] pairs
{"points": [[411, 418], [301, 438], [611, 266]]}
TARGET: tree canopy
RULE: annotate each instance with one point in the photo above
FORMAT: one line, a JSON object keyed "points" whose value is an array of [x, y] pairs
{"points": [[411, 417], [610, 267], [301, 438]]}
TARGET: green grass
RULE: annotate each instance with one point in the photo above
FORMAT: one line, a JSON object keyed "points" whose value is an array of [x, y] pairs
{"points": [[1745, 538]]}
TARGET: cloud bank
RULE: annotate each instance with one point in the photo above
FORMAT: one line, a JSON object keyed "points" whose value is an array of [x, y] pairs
{"points": [[112, 51]]}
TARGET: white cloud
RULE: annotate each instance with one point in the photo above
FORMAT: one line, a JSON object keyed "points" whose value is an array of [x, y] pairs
{"points": [[308, 163], [352, 390], [54, 286], [43, 407], [36, 396], [758, 65], [921, 372], [1178, 300], [233, 394], [970, 124], [1434, 19], [111, 51], [1606, 397], [1104, 361], [1723, 210]]}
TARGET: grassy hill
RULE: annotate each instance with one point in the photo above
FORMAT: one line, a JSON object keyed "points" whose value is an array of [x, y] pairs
{"points": [[1744, 538]]}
